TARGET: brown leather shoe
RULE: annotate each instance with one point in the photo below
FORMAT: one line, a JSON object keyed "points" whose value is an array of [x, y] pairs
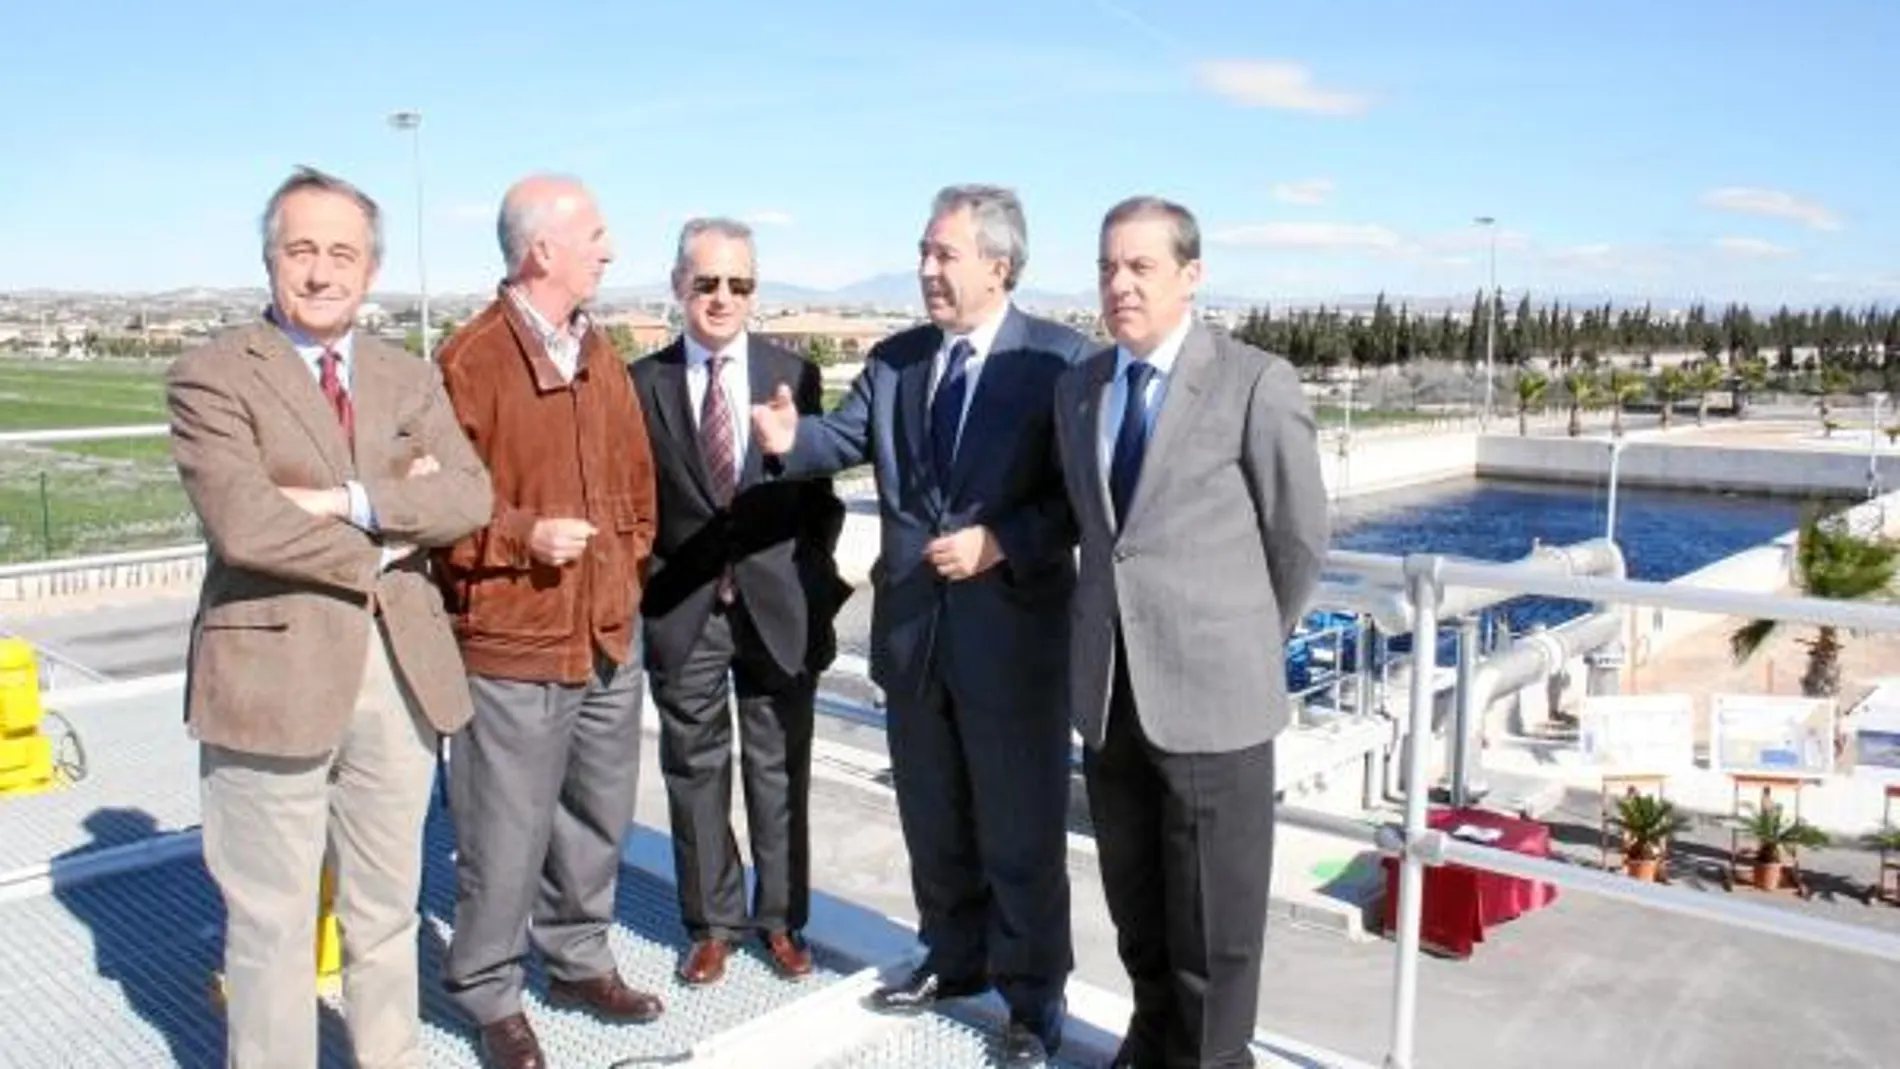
{"points": [[706, 962], [790, 956], [608, 997], [510, 1044]]}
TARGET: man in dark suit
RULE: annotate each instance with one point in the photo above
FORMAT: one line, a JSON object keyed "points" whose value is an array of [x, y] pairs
{"points": [[743, 585], [968, 629], [1192, 466]]}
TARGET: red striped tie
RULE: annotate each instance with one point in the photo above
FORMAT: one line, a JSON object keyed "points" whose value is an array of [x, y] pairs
{"points": [[333, 391], [715, 439]]}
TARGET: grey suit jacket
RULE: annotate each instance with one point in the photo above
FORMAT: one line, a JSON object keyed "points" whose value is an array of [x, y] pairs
{"points": [[1221, 551]]}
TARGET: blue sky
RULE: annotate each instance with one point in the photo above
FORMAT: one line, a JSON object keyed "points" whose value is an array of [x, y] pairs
{"points": [[1695, 147]]}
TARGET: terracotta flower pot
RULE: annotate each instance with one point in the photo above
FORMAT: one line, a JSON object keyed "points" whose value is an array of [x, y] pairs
{"points": [[1642, 868], [1768, 875]]}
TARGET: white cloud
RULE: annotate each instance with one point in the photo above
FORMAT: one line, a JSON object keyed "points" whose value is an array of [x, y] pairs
{"points": [[1753, 248], [1258, 83], [1311, 236], [770, 217], [1774, 203], [1308, 192]]}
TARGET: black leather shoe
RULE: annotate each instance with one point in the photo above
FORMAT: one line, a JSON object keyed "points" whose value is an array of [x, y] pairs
{"points": [[921, 990], [1023, 1048]]}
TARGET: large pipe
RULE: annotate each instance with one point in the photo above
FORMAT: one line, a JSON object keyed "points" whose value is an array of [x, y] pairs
{"points": [[1392, 610], [1538, 655]]}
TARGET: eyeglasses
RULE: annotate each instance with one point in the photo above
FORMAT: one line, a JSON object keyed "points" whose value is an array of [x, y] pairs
{"points": [[706, 285]]}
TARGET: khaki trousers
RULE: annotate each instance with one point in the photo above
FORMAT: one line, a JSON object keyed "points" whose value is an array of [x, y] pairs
{"points": [[267, 821]]}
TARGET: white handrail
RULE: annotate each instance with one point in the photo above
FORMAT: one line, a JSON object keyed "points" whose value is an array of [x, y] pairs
{"points": [[84, 434]]}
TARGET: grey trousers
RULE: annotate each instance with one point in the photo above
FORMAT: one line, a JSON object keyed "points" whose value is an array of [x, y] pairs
{"points": [[266, 822], [542, 785]]}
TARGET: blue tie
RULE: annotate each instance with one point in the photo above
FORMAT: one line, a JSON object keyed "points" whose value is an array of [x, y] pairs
{"points": [[946, 411], [1131, 441]]}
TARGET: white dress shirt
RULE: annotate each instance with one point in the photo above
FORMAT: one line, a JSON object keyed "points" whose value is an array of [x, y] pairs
{"points": [[733, 379], [981, 340], [1114, 396]]}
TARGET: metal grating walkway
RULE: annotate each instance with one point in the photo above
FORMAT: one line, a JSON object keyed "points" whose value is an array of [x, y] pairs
{"points": [[935, 1040], [113, 974], [141, 781]]}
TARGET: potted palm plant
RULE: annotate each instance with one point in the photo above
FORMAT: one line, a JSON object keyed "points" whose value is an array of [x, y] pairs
{"points": [[1775, 833], [1647, 823]]}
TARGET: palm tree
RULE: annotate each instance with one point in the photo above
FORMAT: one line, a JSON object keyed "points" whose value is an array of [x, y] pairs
{"points": [[1830, 561], [1580, 386], [1531, 387], [1622, 388], [1672, 384], [1703, 379], [1751, 377]]}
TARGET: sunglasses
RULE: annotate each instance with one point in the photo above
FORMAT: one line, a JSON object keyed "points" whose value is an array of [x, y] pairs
{"points": [[706, 285]]}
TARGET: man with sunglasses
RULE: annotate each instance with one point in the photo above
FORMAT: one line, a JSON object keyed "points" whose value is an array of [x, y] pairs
{"points": [[969, 624], [739, 602]]}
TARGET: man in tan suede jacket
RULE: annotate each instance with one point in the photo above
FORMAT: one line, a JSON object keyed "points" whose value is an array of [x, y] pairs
{"points": [[544, 600], [322, 667]]}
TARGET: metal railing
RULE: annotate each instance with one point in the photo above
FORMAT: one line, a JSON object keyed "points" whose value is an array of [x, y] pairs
{"points": [[1425, 579]]}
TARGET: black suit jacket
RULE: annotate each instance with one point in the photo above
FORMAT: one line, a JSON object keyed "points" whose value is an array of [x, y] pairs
{"points": [[780, 538]]}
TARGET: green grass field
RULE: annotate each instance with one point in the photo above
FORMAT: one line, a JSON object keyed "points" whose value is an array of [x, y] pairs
{"points": [[86, 497]]}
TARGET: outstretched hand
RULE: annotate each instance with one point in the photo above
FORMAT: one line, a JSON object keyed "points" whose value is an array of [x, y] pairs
{"points": [[775, 423]]}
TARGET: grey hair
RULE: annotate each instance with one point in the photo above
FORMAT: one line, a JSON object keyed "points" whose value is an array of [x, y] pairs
{"points": [[306, 179], [718, 224], [517, 224], [1001, 233], [1187, 232]]}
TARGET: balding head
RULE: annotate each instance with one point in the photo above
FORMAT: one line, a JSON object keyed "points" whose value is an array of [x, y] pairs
{"points": [[553, 241]]}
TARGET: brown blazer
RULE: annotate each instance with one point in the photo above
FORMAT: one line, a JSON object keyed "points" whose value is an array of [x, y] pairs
{"points": [[552, 448], [279, 643]]}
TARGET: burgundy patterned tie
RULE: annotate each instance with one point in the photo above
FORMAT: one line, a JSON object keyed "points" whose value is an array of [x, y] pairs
{"points": [[328, 378], [715, 438]]}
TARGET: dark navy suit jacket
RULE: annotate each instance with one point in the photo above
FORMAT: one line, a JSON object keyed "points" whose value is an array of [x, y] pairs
{"points": [[999, 639]]}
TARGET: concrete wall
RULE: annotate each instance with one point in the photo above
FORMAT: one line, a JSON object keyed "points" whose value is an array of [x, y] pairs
{"points": [[1658, 463], [1390, 461]]}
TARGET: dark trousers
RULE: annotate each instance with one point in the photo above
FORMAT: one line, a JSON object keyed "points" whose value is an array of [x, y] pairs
{"points": [[1186, 849], [775, 732], [542, 785], [983, 795]]}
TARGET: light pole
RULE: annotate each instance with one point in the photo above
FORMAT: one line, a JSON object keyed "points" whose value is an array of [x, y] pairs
{"points": [[1490, 316], [1609, 520], [1873, 446], [411, 121]]}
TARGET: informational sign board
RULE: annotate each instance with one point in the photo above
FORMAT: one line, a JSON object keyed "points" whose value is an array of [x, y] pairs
{"points": [[1876, 726], [1769, 735], [1638, 733]]}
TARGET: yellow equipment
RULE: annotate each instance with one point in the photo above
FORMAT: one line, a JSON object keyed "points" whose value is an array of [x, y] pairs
{"points": [[26, 754], [329, 943]]}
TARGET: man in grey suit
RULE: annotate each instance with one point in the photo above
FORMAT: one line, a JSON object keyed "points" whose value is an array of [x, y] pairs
{"points": [[969, 614], [1191, 463]]}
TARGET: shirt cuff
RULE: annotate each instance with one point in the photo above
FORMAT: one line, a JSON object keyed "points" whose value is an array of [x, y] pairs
{"points": [[361, 515]]}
